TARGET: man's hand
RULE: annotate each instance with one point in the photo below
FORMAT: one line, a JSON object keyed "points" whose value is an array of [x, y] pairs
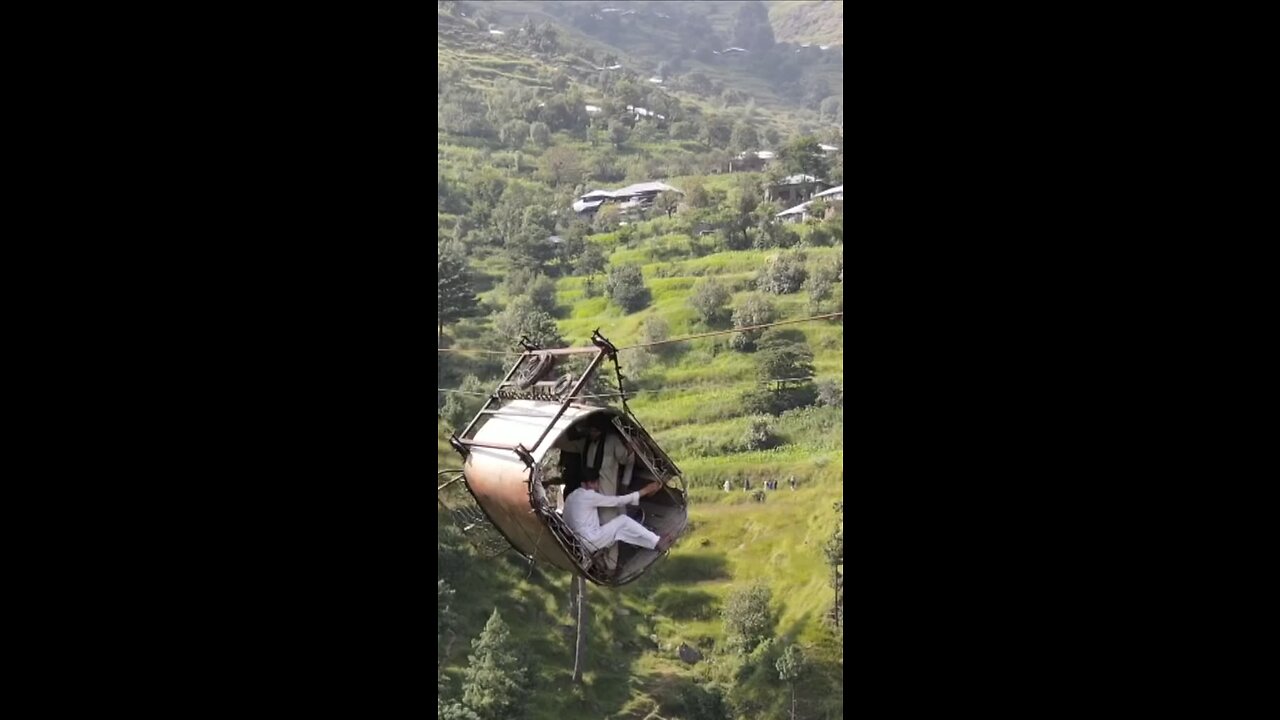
{"points": [[650, 489]]}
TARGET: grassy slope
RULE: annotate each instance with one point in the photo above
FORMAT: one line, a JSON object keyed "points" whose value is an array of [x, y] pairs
{"points": [[644, 45], [820, 22], [734, 539]]}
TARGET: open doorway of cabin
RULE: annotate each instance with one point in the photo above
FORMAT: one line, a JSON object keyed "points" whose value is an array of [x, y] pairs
{"points": [[560, 472]]}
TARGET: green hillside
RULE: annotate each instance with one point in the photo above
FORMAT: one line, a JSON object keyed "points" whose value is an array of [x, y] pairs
{"points": [[777, 63], [515, 147], [817, 22]]}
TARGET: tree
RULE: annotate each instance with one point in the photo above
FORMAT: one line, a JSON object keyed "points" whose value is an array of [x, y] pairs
{"points": [[818, 208], [655, 329], [453, 711], [747, 618], [819, 286], [459, 407], [751, 28], [667, 202], [755, 310], [540, 289], [445, 619], [791, 665], [540, 134], [455, 294], [591, 261], [773, 233], [744, 138], [782, 274], [513, 133], [625, 287], [708, 300], [780, 357], [697, 196], [493, 683], [804, 156], [561, 165], [522, 319], [618, 133], [834, 551], [715, 132], [607, 217]]}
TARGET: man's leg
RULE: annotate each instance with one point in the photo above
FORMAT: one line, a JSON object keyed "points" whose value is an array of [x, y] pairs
{"points": [[624, 529]]}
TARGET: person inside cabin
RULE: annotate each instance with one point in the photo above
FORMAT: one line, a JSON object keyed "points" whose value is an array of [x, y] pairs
{"points": [[607, 454], [581, 508]]}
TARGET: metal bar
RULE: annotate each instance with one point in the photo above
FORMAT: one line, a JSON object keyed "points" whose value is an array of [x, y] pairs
{"points": [[483, 444], [504, 412], [568, 351], [595, 362], [493, 396]]}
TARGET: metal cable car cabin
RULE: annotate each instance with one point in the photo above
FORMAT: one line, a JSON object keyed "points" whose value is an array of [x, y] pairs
{"points": [[512, 459]]}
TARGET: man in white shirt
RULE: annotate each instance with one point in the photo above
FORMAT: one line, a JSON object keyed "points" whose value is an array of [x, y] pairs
{"points": [[607, 453], [580, 512]]}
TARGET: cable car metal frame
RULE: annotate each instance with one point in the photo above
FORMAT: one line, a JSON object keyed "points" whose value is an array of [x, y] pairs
{"points": [[507, 443]]}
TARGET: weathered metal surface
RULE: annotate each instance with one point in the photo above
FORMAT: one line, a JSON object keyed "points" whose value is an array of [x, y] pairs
{"points": [[499, 479]]}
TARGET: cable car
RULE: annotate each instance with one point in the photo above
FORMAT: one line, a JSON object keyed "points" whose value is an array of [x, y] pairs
{"points": [[516, 456]]}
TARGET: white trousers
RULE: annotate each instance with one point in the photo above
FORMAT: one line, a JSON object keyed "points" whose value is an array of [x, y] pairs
{"points": [[623, 529]]}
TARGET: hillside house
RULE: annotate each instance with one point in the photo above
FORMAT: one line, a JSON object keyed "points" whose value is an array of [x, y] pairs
{"points": [[750, 161], [796, 188], [801, 212], [627, 198]]}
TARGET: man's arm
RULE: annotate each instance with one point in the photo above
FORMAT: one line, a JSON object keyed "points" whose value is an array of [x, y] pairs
{"points": [[596, 499]]}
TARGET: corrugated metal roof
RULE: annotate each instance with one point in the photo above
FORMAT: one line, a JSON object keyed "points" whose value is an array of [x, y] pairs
{"points": [[799, 179]]}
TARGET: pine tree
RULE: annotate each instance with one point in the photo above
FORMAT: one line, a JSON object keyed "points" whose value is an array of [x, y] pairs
{"points": [[455, 295], [493, 682]]}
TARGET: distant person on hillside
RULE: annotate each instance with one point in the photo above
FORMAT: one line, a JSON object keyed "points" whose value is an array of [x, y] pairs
{"points": [[728, 485], [746, 485], [793, 482], [581, 509]]}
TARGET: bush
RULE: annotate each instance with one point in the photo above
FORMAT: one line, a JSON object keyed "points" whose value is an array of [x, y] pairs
{"points": [[625, 288], [830, 393], [770, 401], [819, 286], [655, 329], [708, 300], [460, 407], [759, 436], [783, 274], [748, 621], [755, 310]]}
